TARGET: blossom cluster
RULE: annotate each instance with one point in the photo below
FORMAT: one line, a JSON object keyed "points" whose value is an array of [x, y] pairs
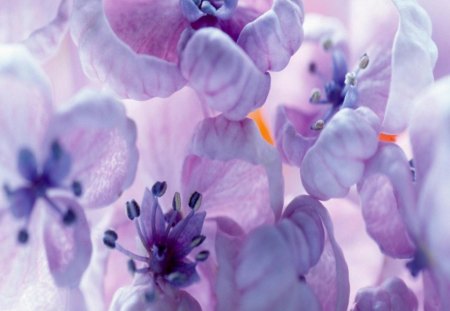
{"points": [[251, 155]]}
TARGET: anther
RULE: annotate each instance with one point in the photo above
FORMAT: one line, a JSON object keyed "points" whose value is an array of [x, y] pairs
{"points": [[312, 67], [23, 236], [109, 238], [56, 150], [176, 202], [149, 296], [159, 188], [350, 79], [176, 277], [133, 210], [131, 266], [327, 44], [77, 189], [195, 200], [315, 96], [318, 125], [197, 240], [202, 256], [69, 217], [364, 61]]}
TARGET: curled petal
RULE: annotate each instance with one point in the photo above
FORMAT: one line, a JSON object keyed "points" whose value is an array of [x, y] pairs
{"points": [[336, 161], [234, 168], [103, 150], [223, 74], [106, 58], [150, 208], [386, 193], [68, 247], [275, 36], [25, 108], [412, 45], [393, 294]]}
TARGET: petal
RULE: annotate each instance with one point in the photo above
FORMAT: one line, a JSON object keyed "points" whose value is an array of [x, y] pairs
{"points": [[228, 162], [68, 247], [43, 42], [393, 294], [150, 207], [336, 161], [103, 151], [275, 36], [329, 279], [25, 109], [386, 194], [190, 10], [27, 164], [183, 233], [412, 40], [223, 75], [107, 58], [22, 201]]}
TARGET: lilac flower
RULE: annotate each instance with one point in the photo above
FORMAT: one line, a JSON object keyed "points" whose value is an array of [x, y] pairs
{"points": [[393, 294], [411, 222], [377, 81], [40, 26], [53, 164], [294, 264], [223, 49]]}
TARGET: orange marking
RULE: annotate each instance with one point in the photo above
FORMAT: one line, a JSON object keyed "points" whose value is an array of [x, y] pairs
{"points": [[387, 138], [262, 125]]}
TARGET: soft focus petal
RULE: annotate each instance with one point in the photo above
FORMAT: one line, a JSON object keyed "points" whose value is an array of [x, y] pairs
{"points": [[103, 151], [68, 247], [21, 202], [106, 58], [336, 161], [393, 294], [237, 172], [224, 76], [275, 36], [413, 60], [25, 107], [386, 194]]}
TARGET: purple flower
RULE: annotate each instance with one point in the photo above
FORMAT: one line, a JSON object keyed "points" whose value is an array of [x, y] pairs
{"points": [[393, 294], [293, 264], [405, 202], [377, 81], [223, 49], [54, 163], [40, 26]]}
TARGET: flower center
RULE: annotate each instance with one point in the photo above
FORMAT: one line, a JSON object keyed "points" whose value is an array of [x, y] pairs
{"points": [[340, 91], [168, 238], [38, 181]]}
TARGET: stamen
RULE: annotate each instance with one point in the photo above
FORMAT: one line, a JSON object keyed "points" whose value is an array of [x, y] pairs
{"points": [[131, 266], [350, 79], [150, 296], [109, 238], [363, 61], [77, 189], [418, 263], [176, 202], [69, 217], [127, 253], [312, 67], [133, 210], [413, 169], [23, 236], [197, 241], [195, 200], [318, 125], [327, 44], [202, 256], [56, 150], [316, 96], [176, 277], [53, 206], [159, 188]]}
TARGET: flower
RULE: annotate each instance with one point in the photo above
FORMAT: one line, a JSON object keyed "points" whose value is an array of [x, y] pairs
{"points": [[52, 167], [38, 26], [376, 82], [223, 49], [411, 223]]}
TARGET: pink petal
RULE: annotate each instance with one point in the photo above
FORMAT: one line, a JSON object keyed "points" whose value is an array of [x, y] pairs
{"points": [[336, 161], [412, 45], [386, 194], [25, 108], [230, 161], [393, 294], [275, 36], [68, 247], [107, 58], [225, 77], [103, 150]]}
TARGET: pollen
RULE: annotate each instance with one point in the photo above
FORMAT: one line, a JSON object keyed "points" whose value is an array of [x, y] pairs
{"points": [[387, 138], [262, 125]]}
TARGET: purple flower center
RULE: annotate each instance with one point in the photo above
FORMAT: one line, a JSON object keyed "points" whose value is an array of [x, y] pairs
{"points": [[168, 239], [340, 91], [38, 182]]}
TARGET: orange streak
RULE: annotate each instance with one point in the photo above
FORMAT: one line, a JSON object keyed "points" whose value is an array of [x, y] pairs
{"points": [[262, 125], [387, 138]]}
